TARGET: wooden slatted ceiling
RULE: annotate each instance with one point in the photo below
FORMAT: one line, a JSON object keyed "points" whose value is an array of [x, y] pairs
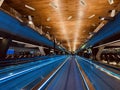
{"points": [[72, 33]]}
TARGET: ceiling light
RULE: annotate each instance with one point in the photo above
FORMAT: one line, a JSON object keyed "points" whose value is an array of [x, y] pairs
{"points": [[29, 7], [107, 18], [1, 37], [91, 33], [48, 19], [48, 27], [70, 17], [99, 26], [82, 2], [102, 18], [30, 19], [112, 13], [91, 16], [52, 4], [30, 22], [1, 2], [111, 1]]}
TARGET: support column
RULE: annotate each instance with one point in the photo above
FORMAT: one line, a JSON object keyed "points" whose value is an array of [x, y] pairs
{"points": [[4, 45], [90, 53], [100, 49], [94, 53]]}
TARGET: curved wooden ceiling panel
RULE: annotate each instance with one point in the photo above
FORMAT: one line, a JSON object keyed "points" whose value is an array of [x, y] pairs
{"points": [[70, 21]]}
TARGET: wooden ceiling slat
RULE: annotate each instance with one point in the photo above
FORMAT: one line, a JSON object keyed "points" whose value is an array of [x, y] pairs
{"points": [[68, 8]]}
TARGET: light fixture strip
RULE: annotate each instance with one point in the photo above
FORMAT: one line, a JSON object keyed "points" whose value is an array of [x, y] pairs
{"points": [[29, 7], [83, 3], [111, 1], [113, 13], [1, 2], [91, 16]]}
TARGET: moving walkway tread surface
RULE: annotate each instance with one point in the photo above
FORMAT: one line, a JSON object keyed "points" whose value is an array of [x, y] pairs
{"points": [[100, 77], [16, 78], [68, 78]]}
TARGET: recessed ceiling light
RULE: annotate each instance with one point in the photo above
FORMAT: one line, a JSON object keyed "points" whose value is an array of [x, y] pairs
{"points": [[113, 13], [102, 18], [52, 4], [29, 7], [91, 16], [48, 19], [83, 3], [30, 19], [30, 22], [1, 37], [70, 17], [111, 1]]}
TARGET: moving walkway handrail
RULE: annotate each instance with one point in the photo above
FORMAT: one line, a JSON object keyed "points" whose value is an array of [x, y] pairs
{"points": [[86, 85], [110, 73], [43, 86], [14, 75]]}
